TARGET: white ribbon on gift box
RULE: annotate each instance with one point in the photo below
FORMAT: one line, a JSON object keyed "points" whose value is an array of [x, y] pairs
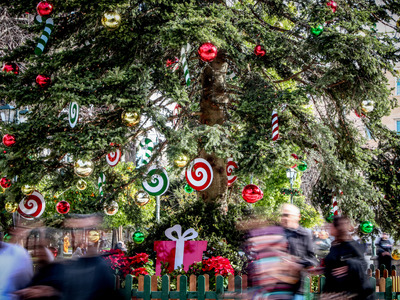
{"points": [[180, 241]]}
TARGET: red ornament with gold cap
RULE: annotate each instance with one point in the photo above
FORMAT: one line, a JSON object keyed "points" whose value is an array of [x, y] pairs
{"points": [[208, 52], [252, 193]]}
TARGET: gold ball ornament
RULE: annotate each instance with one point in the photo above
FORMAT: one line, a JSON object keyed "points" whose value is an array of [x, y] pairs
{"points": [[398, 23], [94, 236], [130, 118], [142, 198], [83, 168], [2, 190], [396, 254], [81, 185], [111, 209], [27, 189], [11, 207], [111, 20], [182, 161]]}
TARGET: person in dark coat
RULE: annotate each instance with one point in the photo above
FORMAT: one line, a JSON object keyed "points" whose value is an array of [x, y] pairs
{"points": [[345, 266], [299, 243], [384, 252]]}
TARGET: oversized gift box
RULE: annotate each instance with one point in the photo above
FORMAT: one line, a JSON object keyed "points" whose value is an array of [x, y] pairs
{"points": [[180, 250]]}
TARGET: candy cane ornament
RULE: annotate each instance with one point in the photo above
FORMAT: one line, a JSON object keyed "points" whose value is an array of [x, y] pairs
{"points": [[147, 146], [159, 182], [100, 182], [230, 166], [184, 53], [275, 126], [45, 34], [113, 158], [177, 110], [32, 206], [73, 114], [199, 175]]}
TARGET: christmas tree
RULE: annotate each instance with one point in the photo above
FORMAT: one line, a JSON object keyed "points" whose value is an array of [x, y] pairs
{"points": [[255, 81]]}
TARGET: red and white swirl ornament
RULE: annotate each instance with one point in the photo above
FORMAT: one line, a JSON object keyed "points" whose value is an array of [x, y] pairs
{"points": [[230, 166], [199, 174], [114, 157], [275, 126], [32, 206]]}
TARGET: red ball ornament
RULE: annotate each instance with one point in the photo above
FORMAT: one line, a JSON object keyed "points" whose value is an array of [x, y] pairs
{"points": [[43, 81], [259, 51], [208, 52], [8, 140], [252, 193], [44, 8], [11, 67], [62, 207], [5, 183], [333, 5]]}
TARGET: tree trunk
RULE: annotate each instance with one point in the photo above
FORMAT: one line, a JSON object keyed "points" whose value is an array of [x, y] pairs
{"points": [[212, 108]]}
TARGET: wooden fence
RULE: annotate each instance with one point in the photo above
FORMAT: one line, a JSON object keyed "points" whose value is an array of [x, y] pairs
{"points": [[198, 288], [387, 288]]}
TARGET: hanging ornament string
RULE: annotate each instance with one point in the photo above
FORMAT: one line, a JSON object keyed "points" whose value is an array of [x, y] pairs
{"points": [[45, 34], [147, 147], [275, 126], [184, 53], [100, 182]]}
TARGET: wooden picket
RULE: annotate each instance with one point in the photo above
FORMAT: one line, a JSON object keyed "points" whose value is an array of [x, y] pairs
{"points": [[198, 288]]}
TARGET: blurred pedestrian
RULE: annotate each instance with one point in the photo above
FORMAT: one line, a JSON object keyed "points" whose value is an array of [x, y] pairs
{"points": [[322, 244], [345, 266], [79, 251], [384, 252], [271, 272], [16, 270], [299, 243], [66, 242]]}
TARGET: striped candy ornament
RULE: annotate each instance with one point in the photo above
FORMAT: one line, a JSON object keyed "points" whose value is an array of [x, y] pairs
{"points": [[45, 34], [113, 158], [147, 146], [100, 182], [230, 166], [335, 208], [184, 53], [200, 174], [275, 126], [158, 183], [73, 114], [32, 206]]}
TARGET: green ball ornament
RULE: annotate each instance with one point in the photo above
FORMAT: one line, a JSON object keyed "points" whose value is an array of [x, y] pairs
{"points": [[366, 227], [317, 30], [302, 166], [188, 189], [138, 237], [329, 218]]}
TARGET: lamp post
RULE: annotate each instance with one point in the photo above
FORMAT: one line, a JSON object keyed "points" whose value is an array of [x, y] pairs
{"points": [[291, 175]]}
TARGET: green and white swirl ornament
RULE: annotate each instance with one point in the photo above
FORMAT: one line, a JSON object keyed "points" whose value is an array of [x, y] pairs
{"points": [[147, 147], [45, 34], [184, 62], [158, 183], [73, 114], [100, 182]]}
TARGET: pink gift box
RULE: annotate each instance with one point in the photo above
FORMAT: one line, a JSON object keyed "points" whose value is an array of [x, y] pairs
{"points": [[193, 252]]}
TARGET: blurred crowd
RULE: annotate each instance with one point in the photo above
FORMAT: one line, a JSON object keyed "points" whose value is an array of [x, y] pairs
{"points": [[37, 275], [283, 254]]}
